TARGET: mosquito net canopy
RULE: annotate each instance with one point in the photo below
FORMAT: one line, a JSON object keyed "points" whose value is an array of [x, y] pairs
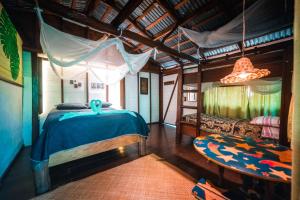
{"points": [[70, 56], [262, 17]]}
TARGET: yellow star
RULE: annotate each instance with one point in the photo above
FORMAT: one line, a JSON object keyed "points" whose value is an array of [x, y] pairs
{"points": [[284, 156], [214, 136], [231, 149], [252, 166], [245, 146], [280, 174], [268, 145], [219, 140], [227, 158]]}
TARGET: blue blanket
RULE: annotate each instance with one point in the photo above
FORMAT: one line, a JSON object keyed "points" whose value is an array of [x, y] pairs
{"points": [[58, 134]]}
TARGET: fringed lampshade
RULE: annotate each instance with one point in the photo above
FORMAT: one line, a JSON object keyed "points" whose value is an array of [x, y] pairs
{"points": [[244, 70]]}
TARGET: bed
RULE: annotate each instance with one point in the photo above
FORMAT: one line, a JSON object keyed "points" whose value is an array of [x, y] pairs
{"points": [[68, 135], [214, 124]]}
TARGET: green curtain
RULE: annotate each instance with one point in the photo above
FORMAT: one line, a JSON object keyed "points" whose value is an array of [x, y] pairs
{"points": [[237, 102], [264, 105]]}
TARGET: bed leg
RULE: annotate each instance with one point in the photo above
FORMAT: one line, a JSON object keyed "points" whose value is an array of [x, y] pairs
{"points": [[41, 177], [142, 147]]}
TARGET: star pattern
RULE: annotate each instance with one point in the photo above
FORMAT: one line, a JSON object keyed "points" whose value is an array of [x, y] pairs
{"points": [[227, 158], [284, 156], [232, 150], [219, 140], [280, 174], [252, 166], [245, 146], [246, 155]]}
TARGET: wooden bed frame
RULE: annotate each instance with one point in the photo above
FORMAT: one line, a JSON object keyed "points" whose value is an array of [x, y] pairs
{"points": [[276, 58], [41, 171]]}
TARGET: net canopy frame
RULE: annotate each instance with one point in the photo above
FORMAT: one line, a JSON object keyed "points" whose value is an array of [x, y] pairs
{"points": [[71, 56]]}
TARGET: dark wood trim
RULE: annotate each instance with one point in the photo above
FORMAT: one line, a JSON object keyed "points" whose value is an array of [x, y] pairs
{"points": [[170, 100], [138, 91], [179, 103], [107, 93], [11, 82], [161, 98], [167, 72], [87, 87], [286, 95], [150, 96], [130, 6], [62, 93], [40, 75], [122, 94], [35, 96], [199, 100]]}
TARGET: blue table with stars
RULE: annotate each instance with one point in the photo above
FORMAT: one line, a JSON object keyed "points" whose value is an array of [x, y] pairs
{"points": [[253, 157]]}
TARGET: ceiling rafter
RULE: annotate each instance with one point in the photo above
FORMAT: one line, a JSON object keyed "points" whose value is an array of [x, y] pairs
{"points": [[180, 4], [106, 13], [169, 9], [114, 6], [81, 18], [207, 20], [196, 13], [147, 11], [90, 6], [125, 12], [158, 20]]}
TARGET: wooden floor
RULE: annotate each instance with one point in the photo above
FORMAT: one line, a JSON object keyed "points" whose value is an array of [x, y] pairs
{"points": [[18, 184]]}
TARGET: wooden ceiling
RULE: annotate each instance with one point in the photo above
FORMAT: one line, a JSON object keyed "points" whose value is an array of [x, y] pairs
{"points": [[146, 24]]}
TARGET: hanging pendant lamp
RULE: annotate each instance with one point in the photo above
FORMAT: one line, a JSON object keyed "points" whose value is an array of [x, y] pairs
{"points": [[243, 69]]}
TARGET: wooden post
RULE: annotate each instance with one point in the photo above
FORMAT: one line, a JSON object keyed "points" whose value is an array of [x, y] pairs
{"points": [[36, 64], [161, 98], [286, 94], [138, 91], [296, 114], [179, 103], [87, 87], [62, 91], [199, 100], [122, 93], [150, 97]]}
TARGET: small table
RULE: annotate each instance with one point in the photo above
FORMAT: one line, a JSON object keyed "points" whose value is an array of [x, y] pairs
{"points": [[256, 158]]}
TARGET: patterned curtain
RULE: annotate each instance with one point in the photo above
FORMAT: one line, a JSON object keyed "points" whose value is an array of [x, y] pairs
{"points": [[240, 102]]}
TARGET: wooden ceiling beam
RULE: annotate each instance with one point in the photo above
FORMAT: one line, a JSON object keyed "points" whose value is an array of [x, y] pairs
{"points": [[90, 6], [163, 33], [181, 43], [114, 6], [183, 21], [157, 21], [147, 10], [81, 18], [125, 12], [169, 9], [180, 4], [106, 13], [204, 21]]}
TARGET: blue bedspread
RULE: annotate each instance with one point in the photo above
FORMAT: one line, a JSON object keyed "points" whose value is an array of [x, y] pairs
{"points": [[58, 135]]}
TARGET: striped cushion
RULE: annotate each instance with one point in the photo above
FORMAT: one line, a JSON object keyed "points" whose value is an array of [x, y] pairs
{"points": [[266, 121], [204, 191], [270, 132]]}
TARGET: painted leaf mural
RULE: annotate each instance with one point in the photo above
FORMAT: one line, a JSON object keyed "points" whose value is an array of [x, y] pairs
{"points": [[11, 68], [8, 38]]}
